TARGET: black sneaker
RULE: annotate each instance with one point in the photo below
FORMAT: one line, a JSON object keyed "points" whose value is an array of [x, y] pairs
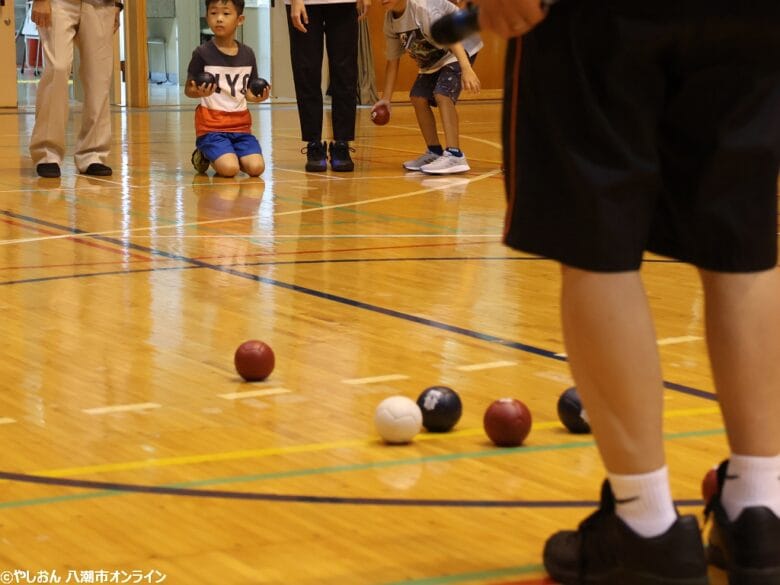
{"points": [[98, 170], [48, 170], [315, 157], [340, 161], [605, 551], [199, 162], [749, 547]]}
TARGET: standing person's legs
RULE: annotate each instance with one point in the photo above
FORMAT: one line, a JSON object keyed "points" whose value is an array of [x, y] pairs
{"points": [[306, 57], [743, 337], [341, 37], [96, 49], [47, 144]]}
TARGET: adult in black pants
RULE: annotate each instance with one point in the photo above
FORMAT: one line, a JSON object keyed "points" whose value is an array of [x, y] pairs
{"points": [[315, 24]]}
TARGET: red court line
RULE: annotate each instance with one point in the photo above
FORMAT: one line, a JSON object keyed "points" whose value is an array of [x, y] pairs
{"points": [[537, 581], [77, 239]]}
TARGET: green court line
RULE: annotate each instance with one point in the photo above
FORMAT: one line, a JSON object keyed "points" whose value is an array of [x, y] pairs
{"points": [[499, 452], [475, 576]]}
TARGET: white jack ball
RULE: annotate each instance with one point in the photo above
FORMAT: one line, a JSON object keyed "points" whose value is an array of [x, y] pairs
{"points": [[398, 419]]}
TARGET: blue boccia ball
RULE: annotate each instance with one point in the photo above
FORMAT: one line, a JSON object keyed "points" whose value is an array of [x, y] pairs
{"points": [[571, 413], [441, 408]]}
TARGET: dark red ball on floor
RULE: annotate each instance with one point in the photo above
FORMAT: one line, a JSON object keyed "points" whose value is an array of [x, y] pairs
{"points": [[254, 360], [709, 485], [257, 86], [380, 115], [204, 78], [507, 422], [441, 408]]}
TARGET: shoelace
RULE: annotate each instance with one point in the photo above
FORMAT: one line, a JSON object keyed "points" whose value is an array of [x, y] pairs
{"points": [[316, 149]]}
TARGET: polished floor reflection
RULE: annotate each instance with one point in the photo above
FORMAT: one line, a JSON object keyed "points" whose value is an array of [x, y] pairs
{"points": [[130, 444]]}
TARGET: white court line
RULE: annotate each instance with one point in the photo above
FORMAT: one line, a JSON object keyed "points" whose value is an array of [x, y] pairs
{"points": [[664, 341], [485, 366], [7, 421], [375, 379], [495, 237], [122, 408], [683, 339], [246, 217], [254, 393]]}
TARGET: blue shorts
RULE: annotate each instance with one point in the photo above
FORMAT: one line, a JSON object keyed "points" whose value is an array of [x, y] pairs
{"points": [[215, 144], [446, 81]]}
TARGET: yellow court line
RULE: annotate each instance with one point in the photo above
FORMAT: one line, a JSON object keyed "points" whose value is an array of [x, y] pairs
{"points": [[307, 448], [247, 217]]}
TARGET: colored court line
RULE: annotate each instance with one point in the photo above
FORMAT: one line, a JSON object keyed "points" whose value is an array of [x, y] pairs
{"points": [[102, 235], [187, 488], [335, 298], [305, 448], [482, 576]]}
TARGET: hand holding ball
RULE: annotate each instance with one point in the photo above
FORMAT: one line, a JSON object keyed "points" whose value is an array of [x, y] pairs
{"points": [[380, 115], [204, 78], [258, 86], [254, 360]]}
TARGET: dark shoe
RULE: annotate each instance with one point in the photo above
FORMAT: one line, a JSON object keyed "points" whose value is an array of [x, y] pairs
{"points": [[315, 157], [200, 162], [340, 161], [749, 547], [98, 170], [48, 170], [605, 551]]}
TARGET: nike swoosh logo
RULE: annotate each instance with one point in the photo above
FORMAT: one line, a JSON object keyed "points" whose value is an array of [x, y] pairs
{"points": [[732, 476], [627, 500]]}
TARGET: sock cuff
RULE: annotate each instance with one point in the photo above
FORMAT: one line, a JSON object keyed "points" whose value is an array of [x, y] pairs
{"points": [[739, 464]]}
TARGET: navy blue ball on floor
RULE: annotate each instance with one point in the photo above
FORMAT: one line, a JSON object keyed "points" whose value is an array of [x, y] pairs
{"points": [[441, 408], [571, 412]]}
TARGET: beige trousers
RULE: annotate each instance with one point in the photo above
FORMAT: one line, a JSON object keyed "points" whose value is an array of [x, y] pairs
{"points": [[90, 26]]}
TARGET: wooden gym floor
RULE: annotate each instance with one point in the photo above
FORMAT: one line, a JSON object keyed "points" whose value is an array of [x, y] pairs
{"points": [[129, 444]]}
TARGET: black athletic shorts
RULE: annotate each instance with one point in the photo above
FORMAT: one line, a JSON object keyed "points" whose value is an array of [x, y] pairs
{"points": [[654, 125]]}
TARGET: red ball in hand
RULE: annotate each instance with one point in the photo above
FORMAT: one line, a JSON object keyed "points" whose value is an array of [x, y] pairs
{"points": [[254, 360], [380, 115], [507, 422]]}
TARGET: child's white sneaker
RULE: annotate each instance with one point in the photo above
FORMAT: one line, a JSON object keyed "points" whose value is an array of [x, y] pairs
{"points": [[447, 164], [422, 160]]}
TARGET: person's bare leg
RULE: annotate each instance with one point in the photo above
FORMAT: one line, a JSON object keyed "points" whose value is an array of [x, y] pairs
{"points": [[426, 120], [227, 165], [743, 336], [449, 121], [613, 354]]}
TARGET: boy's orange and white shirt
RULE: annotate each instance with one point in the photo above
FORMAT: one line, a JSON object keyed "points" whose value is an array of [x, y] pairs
{"points": [[226, 109]]}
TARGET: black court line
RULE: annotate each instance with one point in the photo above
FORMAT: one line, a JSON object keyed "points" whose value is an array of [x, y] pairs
{"points": [[331, 297], [300, 498]]}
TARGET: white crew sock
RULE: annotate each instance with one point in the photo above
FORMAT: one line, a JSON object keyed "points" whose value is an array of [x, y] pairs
{"points": [[751, 481], [644, 502]]}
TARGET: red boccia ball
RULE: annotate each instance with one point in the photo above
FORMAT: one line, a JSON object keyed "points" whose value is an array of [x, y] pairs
{"points": [[380, 115], [709, 485], [507, 422], [254, 360]]}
